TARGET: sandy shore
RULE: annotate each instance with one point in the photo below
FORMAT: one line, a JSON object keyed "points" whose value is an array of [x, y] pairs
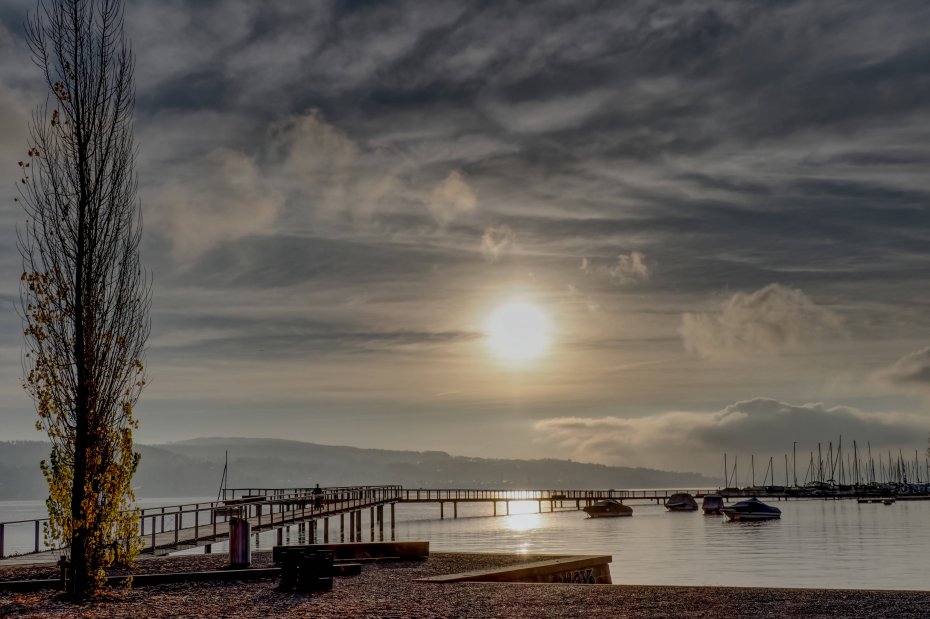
{"points": [[389, 590]]}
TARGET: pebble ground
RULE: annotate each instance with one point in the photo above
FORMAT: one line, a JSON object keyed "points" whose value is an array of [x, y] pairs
{"points": [[388, 590]]}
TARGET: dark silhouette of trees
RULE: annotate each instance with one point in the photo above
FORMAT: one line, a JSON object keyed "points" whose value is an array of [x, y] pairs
{"points": [[85, 297]]}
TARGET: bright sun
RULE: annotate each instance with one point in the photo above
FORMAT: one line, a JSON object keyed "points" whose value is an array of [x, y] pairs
{"points": [[518, 331]]}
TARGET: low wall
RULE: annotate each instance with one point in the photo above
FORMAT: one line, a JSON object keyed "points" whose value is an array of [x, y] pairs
{"points": [[581, 569], [366, 550]]}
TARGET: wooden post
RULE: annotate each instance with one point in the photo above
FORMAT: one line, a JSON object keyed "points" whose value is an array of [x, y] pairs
{"points": [[442, 514], [153, 536], [177, 527], [455, 509], [494, 503], [326, 530], [1, 540], [280, 537], [358, 525], [196, 523], [381, 523], [37, 536], [342, 527], [371, 522], [208, 549], [508, 506], [392, 523]]}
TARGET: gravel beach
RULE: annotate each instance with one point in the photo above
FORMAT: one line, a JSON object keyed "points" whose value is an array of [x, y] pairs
{"points": [[389, 590]]}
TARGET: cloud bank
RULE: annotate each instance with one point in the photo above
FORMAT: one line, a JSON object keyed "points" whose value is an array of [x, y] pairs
{"points": [[762, 426]]}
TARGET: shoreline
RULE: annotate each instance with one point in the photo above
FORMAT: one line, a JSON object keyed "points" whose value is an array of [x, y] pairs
{"points": [[391, 590]]}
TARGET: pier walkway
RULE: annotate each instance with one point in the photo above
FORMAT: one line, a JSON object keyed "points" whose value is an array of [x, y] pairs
{"points": [[166, 529]]}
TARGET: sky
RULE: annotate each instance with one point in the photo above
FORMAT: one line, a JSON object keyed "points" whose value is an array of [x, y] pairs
{"points": [[722, 209]]}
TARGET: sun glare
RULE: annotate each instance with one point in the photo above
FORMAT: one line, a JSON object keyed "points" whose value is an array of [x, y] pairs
{"points": [[518, 331]]}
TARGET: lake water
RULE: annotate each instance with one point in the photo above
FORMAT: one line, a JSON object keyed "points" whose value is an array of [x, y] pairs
{"points": [[816, 544]]}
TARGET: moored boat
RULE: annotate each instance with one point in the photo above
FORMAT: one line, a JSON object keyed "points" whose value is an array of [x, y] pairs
{"points": [[681, 502], [712, 504], [751, 510], [608, 508]]}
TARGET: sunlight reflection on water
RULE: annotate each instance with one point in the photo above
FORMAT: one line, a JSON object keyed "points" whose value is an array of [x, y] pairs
{"points": [[829, 544]]}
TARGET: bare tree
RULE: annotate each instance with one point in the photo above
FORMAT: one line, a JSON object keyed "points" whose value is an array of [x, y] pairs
{"points": [[85, 297]]}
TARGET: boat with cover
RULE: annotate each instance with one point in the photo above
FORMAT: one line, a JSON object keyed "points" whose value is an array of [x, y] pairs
{"points": [[712, 504], [608, 508], [681, 502], [751, 510]]}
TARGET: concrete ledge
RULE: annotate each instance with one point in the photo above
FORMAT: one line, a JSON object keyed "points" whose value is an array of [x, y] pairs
{"points": [[148, 580], [580, 569], [366, 550]]}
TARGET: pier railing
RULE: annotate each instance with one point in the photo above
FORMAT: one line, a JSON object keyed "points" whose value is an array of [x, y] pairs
{"points": [[413, 495], [191, 523]]}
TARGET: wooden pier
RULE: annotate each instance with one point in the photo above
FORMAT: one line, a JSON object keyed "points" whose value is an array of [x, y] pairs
{"points": [[166, 529]]}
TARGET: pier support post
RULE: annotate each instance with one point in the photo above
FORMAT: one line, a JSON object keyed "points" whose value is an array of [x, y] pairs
{"points": [[326, 530], [358, 525], [508, 506], [381, 523], [540, 506], [455, 509], [442, 513], [208, 549], [342, 527], [371, 522], [280, 537], [392, 522], [494, 503], [551, 506]]}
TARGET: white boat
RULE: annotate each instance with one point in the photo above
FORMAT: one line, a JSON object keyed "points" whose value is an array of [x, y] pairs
{"points": [[751, 510], [608, 508]]}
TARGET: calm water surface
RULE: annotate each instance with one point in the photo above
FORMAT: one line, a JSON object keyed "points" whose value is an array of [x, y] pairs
{"points": [[816, 544]]}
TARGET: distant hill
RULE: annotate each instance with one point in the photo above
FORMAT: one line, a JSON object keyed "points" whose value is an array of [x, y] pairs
{"points": [[194, 468]]}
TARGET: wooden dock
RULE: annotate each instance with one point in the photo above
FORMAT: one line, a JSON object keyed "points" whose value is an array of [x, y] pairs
{"points": [[166, 529]]}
